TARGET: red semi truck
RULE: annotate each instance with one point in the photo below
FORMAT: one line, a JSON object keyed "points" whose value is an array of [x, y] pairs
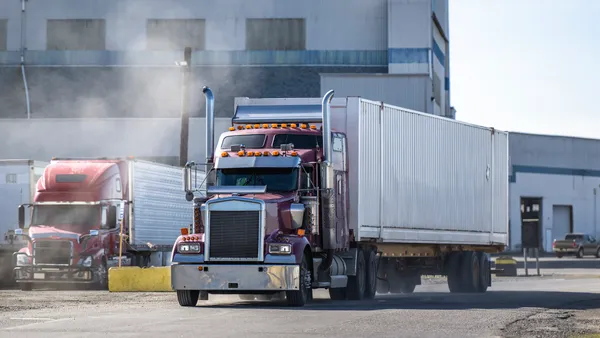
{"points": [[346, 194], [76, 216]]}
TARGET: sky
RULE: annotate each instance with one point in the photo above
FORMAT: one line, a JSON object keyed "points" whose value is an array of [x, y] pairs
{"points": [[527, 65]]}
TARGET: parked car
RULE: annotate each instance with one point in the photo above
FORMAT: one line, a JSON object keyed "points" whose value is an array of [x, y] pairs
{"points": [[576, 244]]}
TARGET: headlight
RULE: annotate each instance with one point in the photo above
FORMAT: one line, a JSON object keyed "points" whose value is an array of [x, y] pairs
{"points": [[280, 249], [189, 248], [86, 261], [22, 260]]}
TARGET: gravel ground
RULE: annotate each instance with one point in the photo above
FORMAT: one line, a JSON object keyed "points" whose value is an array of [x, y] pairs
{"points": [[548, 306]]}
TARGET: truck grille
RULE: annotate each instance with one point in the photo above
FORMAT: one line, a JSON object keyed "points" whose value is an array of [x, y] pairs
{"points": [[52, 252], [234, 234]]}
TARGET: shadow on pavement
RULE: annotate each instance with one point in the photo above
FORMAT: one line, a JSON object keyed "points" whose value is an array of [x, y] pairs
{"points": [[440, 301]]}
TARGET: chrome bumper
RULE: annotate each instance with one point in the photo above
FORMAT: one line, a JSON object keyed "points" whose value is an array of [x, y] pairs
{"points": [[48, 274], [207, 277]]}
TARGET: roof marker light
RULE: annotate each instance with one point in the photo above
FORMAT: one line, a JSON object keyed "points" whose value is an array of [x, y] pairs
{"points": [[274, 125], [224, 154], [257, 126], [231, 128], [266, 153], [248, 126], [293, 125], [275, 153], [303, 126], [284, 125], [266, 125], [313, 127], [240, 127], [241, 153]]}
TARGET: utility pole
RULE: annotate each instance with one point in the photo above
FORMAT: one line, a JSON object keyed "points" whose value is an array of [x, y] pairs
{"points": [[185, 98]]}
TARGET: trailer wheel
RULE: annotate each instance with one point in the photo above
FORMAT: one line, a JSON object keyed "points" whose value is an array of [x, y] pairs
{"points": [[371, 271], [453, 272], [301, 296], [484, 272], [470, 272], [356, 284], [188, 297]]}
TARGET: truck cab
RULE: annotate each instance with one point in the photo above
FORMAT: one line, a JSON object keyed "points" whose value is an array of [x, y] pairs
{"points": [[74, 224]]}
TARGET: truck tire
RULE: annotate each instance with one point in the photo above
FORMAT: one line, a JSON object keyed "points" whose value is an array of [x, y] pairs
{"points": [[484, 272], [470, 272], [300, 297], [371, 271], [357, 284], [453, 272], [580, 253], [188, 297]]}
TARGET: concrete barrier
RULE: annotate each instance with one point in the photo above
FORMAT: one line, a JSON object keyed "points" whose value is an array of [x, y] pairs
{"points": [[507, 265], [136, 279]]}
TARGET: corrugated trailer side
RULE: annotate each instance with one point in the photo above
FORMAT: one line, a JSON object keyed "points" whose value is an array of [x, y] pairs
{"points": [[160, 210], [426, 179]]}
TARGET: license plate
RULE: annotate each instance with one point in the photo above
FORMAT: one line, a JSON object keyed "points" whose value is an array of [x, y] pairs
{"points": [[39, 275]]}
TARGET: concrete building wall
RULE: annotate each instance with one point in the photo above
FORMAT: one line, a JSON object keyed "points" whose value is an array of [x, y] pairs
{"points": [[117, 58], [564, 172]]}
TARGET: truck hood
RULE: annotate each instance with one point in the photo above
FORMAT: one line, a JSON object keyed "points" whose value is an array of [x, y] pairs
{"points": [[46, 231]]}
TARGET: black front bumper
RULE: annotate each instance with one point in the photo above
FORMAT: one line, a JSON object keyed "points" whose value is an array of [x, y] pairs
{"points": [[53, 274]]}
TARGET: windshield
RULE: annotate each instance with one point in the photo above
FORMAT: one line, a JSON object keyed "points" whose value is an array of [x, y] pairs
{"points": [[78, 215], [249, 141], [276, 179], [573, 237]]}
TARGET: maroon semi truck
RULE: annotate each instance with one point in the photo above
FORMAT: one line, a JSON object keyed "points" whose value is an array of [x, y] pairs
{"points": [[291, 204], [77, 212]]}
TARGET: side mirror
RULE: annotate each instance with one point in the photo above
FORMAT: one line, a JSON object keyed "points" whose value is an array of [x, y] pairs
{"points": [[112, 217], [21, 216], [94, 232], [187, 179]]}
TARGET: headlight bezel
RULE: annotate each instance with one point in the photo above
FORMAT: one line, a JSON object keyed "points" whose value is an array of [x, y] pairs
{"points": [[282, 249], [22, 260], [86, 261]]}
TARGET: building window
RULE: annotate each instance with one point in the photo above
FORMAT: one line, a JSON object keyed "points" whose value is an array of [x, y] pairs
{"points": [[76, 34], [175, 34], [3, 33], [275, 34], [11, 178]]}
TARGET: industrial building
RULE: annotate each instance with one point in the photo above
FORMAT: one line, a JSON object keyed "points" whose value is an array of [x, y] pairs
{"points": [[118, 59], [563, 175]]}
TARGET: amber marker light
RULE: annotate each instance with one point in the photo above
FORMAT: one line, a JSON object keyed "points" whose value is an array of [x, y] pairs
{"points": [[231, 128], [224, 154], [241, 153], [275, 153], [184, 231]]}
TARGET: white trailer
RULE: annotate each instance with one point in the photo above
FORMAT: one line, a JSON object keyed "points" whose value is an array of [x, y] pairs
{"points": [[421, 178], [18, 178]]}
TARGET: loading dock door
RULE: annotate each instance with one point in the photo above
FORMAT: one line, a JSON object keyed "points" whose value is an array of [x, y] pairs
{"points": [[561, 221]]}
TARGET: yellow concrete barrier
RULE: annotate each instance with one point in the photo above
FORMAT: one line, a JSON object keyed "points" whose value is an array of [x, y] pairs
{"points": [[508, 265], [136, 279]]}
